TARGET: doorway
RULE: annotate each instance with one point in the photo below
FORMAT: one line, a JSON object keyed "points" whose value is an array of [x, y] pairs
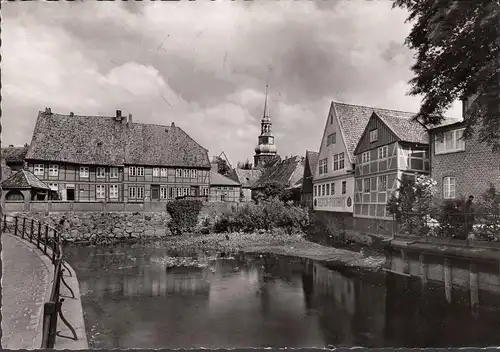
{"points": [[155, 192], [70, 194]]}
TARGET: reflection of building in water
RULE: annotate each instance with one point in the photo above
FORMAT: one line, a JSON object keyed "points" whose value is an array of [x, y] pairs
{"points": [[331, 283], [187, 281]]}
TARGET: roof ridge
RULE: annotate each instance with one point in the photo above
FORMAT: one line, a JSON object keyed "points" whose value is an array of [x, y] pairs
{"points": [[372, 107]]}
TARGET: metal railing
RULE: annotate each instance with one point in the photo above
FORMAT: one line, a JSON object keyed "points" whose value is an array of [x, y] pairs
{"points": [[47, 239]]}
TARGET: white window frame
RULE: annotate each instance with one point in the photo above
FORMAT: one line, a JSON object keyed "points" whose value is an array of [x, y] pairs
{"points": [[132, 171], [185, 191], [383, 152], [53, 187], [449, 187], [113, 172], [367, 181], [332, 187], [38, 169], [458, 144], [327, 189], [323, 166], [163, 192], [156, 172], [163, 172], [84, 171], [178, 173], [374, 135], [194, 173], [382, 183], [315, 191], [140, 171], [100, 192], [53, 170], [186, 173], [338, 161], [140, 192], [344, 187], [365, 157], [99, 170], [178, 192], [113, 191], [132, 192]]}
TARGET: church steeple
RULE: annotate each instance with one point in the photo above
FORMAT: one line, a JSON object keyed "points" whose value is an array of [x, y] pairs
{"points": [[265, 151]]}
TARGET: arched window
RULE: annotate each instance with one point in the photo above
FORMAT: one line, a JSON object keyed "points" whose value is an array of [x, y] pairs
{"points": [[14, 196]]}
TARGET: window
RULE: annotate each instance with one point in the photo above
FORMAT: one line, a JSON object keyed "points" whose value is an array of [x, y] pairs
{"points": [[449, 187], [315, 191], [156, 172], [171, 192], [140, 171], [366, 185], [84, 171], [338, 161], [163, 192], [382, 183], [365, 157], [132, 192], [100, 192], [140, 192], [113, 191], [178, 173], [382, 152], [53, 170], [333, 189], [185, 191], [163, 172], [344, 187], [101, 172], [113, 172], [194, 174], [186, 173], [205, 191], [322, 190], [323, 166], [331, 139], [179, 192], [53, 186], [327, 189], [132, 171], [38, 170], [449, 142], [373, 135]]}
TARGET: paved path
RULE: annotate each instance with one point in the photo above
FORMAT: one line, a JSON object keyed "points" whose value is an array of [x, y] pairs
{"points": [[25, 282]]}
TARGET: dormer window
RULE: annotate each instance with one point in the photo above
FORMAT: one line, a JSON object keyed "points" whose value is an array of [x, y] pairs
{"points": [[373, 135]]}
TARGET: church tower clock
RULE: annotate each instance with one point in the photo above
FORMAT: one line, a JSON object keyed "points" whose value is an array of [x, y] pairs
{"points": [[265, 150]]}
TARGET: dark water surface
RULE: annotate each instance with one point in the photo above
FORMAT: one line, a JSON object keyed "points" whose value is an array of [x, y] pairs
{"points": [[130, 300]]}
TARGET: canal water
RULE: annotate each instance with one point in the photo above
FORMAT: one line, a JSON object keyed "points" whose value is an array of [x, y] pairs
{"points": [[132, 299]]}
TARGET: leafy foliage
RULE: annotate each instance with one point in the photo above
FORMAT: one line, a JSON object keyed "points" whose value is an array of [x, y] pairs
{"points": [[222, 166], [267, 215], [184, 213], [247, 165], [457, 57], [489, 219], [452, 219]]}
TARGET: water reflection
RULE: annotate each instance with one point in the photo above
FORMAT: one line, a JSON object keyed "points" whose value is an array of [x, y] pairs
{"points": [[132, 301]]}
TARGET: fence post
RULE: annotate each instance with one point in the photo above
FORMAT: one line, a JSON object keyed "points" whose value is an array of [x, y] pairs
{"points": [[15, 226], [38, 235], [53, 246], [24, 228], [31, 229], [46, 239]]}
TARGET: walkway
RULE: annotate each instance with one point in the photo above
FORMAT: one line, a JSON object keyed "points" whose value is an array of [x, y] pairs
{"points": [[25, 284]]}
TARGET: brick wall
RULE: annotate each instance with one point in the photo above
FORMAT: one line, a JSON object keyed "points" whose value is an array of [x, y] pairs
{"points": [[473, 168]]}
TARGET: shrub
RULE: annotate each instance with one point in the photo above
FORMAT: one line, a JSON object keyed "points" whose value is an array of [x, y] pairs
{"points": [[184, 213], [489, 220], [451, 216]]}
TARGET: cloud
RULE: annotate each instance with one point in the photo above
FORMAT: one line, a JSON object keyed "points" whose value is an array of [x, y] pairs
{"points": [[204, 65]]}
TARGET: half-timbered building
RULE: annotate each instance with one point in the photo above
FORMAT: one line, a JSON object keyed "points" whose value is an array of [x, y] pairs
{"points": [[113, 159], [306, 191], [393, 147]]}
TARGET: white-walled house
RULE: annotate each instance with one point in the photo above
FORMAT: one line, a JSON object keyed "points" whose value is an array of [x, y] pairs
{"points": [[333, 181]]}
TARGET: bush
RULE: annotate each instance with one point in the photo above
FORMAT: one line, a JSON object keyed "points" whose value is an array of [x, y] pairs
{"points": [[489, 220], [267, 215], [451, 216], [184, 213]]}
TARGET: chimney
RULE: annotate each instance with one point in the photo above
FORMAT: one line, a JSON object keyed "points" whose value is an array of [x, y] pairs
{"points": [[173, 124], [48, 111], [215, 167], [129, 119], [71, 114], [118, 114]]}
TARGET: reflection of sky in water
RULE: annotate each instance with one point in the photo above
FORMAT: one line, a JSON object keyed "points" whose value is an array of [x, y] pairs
{"points": [[258, 302]]}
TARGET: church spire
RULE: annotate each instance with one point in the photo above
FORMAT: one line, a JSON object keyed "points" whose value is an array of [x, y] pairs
{"points": [[266, 112], [265, 151]]}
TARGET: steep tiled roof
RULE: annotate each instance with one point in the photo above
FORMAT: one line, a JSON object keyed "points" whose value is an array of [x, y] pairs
{"points": [[247, 178], [287, 172], [448, 122], [353, 120], [312, 160], [23, 179], [404, 126], [14, 154], [217, 179], [102, 140]]}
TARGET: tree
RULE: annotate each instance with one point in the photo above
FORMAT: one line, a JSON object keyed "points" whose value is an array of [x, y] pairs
{"points": [[222, 166], [457, 44], [247, 165]]}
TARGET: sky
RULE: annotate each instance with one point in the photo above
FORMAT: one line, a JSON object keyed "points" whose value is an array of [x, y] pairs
{"points": [[204, 65]]}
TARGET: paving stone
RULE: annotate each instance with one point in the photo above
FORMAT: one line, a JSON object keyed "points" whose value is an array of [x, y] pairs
{"points": [[24, 285]]}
